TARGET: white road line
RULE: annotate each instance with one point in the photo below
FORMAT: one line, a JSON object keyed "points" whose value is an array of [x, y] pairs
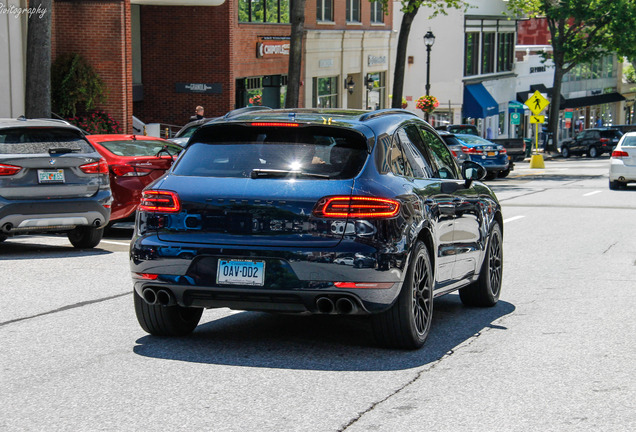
{"points": [[514, 218], [115, 243], [592, 193]]}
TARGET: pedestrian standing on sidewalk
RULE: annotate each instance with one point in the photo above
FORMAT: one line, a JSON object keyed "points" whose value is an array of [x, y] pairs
{"points": [[199, 113]]}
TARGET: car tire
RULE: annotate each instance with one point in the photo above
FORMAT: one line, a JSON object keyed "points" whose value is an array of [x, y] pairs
{"points": [[3, 237], [161, 320], [485, 292], [490, 175], [593, 152], [85, 237], [615, 185], [565, 152], [503, 174], [407, 323]]}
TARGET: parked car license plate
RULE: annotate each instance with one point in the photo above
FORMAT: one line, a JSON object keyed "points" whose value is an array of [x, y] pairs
{"points": [[51, 176], [240, 272], [492, 153]]}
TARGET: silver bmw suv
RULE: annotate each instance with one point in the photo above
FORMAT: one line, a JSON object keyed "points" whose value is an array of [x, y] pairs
{"points": [[52, 180]]}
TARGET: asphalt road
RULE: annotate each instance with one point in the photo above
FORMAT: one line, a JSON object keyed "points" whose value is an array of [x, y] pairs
{"points": [[555, 354]]}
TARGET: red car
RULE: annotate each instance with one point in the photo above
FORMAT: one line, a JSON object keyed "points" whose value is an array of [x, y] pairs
{"points": [[134, 161]]}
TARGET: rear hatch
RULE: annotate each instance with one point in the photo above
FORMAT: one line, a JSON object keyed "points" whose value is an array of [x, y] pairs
{"points": [[53, 164], [627, 151], [141, 157], [257, 185]]}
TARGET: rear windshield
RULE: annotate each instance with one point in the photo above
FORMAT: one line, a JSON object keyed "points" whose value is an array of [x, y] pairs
{"points": [[42, 140], [139, 147], [452, 140], [611, 134], [629, 141], [274, 152]]}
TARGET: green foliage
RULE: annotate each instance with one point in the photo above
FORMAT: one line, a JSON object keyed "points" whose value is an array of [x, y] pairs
{"points": [[584, 30], [630, 73], [74, 85]]}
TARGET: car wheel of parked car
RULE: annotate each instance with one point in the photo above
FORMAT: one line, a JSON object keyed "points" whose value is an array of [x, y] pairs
{"points": [[593, 152], [162, 320], [502, 174], [491, 175], [407, 323], [565, 152], [485, 292], [3, 237], [615, 185], [85, 237]]}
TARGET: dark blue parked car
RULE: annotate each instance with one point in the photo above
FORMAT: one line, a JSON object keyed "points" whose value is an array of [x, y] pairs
{"points": [[269, 205], [493, 157]]}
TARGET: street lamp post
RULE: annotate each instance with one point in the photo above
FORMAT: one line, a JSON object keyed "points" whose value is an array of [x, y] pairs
{"points": [[429, 40]]}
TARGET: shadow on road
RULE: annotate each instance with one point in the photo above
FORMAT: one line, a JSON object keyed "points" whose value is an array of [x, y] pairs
{"points": [[335, 343], [14, 250]]}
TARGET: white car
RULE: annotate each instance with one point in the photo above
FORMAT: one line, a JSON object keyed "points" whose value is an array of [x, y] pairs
{"points": [[623, 162]]}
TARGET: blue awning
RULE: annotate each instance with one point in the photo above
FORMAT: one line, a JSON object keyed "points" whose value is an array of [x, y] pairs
{"points": [[478, 103]]}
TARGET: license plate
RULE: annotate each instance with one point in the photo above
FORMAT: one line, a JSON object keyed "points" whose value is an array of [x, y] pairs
{"points": [[492, 153], [240, 272], [51, 176]]}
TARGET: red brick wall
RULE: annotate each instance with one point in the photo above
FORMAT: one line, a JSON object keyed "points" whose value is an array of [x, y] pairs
{"points": [[533, 32], [181, 44], [340, 17], [100, 32]]}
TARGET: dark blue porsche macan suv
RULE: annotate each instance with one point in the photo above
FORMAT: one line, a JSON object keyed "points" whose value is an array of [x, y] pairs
{"points": [[316, 211]]}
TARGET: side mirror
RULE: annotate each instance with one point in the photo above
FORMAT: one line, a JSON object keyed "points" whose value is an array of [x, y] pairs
{"points": [[472, 171]]}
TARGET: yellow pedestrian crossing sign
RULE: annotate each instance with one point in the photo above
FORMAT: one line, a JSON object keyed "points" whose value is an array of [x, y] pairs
{"points": [[537, 102], [537, 119]]}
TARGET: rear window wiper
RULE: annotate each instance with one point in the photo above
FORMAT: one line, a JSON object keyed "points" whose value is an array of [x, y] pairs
{"points": [[61, 150], [272, 173]]}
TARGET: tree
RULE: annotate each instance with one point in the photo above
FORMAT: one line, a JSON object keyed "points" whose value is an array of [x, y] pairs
{"points": [[297, 18], [581, 31], [38, 61], [410, 9]]}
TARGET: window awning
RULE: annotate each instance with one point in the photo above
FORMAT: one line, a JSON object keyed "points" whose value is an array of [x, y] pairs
{"points": [[592, 100], [478, 103]]}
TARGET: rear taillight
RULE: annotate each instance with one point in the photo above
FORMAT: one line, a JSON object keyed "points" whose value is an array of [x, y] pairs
{"points": [[275, 124], [129, 171], [502, 150], [356, 207], [471, 150], [617, 154], [159, 201], [99, 167], [7, 170], [605, 140]]}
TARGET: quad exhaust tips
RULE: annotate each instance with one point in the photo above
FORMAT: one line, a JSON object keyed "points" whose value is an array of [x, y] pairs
{"points": [[158, 297]]}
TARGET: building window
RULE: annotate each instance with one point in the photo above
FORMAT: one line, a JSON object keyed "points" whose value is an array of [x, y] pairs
{"points": [[324, 10], [488, 53], [377, 14], [505, 52], [264, 11], [353, 11], [325, 92], [471, 53]]}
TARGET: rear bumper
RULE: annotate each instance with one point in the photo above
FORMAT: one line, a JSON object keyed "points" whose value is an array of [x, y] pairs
{"points": [[619, 171], [19, 217], [295, 279]]}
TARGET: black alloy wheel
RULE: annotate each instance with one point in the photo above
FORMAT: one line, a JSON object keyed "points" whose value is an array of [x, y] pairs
{"points": [[593, 152], [486, 291], [85, 237], [565, 152], [407, 323]]}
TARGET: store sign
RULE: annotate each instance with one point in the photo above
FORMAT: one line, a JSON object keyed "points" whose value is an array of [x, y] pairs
{"points": [[272, 46], [212, 88], [376, 60], [325, 63]]}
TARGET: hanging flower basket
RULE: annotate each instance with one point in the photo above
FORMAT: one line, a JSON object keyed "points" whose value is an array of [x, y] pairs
{"points": [[256, 100], [427, 103]]}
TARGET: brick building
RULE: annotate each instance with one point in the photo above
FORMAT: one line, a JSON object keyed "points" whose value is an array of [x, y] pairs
{"points": [[161, 58]]}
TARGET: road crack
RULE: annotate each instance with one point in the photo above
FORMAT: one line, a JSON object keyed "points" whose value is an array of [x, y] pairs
{"points": [[65, 308]]}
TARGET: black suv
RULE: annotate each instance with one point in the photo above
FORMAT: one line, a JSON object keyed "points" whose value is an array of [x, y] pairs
{"points": [[52, 180], [316, 211], [592, 142]]}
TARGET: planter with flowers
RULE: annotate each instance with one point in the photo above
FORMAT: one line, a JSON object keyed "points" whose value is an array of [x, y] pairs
{"points": [[256, 100], [427, 103], [96, 122]]}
